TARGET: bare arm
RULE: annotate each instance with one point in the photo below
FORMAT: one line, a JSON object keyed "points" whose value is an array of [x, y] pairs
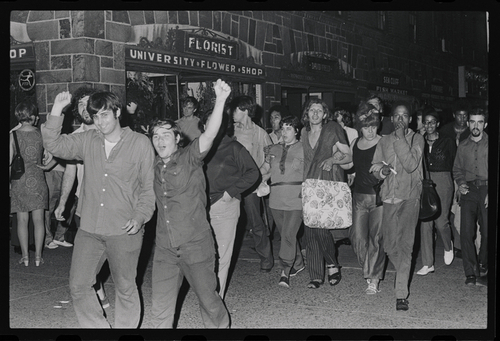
{"points": [[66, 186], [222, 91]]}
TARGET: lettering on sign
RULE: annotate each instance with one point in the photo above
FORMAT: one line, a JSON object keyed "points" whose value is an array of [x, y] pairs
{"points": [[390, 80], [193, 62], [21, 52], [210, 46], [437, 88]]}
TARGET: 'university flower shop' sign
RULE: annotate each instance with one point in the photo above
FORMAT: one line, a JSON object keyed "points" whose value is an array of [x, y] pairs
{"points": [[161, 58]]}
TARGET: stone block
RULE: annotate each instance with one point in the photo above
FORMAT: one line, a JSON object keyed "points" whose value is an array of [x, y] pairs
{"points": [[193, 18], [257, 15], [44, 30], [136, 17], [234, 27], [55, 76], [68, 46], [86, 68], [226, 23], [60, 62], [149, 16], [119, 56], [297, 23], [41, 98], [268, 16], [61, 14], [54, 89], [106, 62], [78, 23], [102, 87], [118, 90], [183, 17], [19, 16], [279, 46], [273, 73], [260, 34], [112, 76], [42, 55], [217, 21], [72, 87], [267, 58], [161, 17], [121, 16], [206, 19], [172, 17], [64, 29], [94, 24], [251, 32], [243, 32], [40, 16], [104, 48], [117, 32]]}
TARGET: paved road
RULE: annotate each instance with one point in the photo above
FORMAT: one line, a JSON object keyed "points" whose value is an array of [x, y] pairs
{"points": [[439, 301]]}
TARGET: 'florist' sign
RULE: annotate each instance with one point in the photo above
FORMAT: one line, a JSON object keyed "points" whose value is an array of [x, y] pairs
{"points": [[210, 46], [159, 58]]}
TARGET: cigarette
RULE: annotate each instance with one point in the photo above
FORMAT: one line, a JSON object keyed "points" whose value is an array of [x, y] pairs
{"points": [[392, 170]]}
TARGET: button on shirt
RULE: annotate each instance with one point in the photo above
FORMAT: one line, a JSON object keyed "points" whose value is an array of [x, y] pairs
{"points": [[115, 189], [181, 197], [471, 162]]}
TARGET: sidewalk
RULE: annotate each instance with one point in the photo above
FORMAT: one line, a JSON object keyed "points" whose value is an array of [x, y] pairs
{"points": [[40, 298]]}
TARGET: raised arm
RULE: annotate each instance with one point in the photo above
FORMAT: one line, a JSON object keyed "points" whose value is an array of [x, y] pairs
{"points": [[222, 91]]}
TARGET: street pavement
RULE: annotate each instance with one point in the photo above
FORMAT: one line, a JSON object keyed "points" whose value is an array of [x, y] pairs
{"points": [[440, 304]]}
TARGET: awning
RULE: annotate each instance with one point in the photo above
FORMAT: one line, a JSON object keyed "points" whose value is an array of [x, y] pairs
{"points": [[19, 32], [153, 31]]}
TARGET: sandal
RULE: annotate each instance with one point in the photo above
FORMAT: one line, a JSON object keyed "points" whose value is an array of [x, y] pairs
{"points": [[335, 278], [314, 284]]}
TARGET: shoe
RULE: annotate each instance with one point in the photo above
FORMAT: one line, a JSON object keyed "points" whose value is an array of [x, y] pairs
{"points": [[344, 241], [458, 253], [294, 272], [17, 249], [24, 260], [284, 281], [372, 289], [63, 243], [314, 284], [38, 261], [51, 245], [483, 270], [266, 271], [449, 255], [482, 281], [335, 278], [104, 303], [470, 280], [425, 270], [401, 304]]}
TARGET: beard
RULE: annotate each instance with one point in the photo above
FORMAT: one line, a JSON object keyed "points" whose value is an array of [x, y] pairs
{"points": [[475, 132]]}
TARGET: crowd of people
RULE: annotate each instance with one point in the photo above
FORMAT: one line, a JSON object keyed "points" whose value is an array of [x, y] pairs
{"points": [[207, 172]]}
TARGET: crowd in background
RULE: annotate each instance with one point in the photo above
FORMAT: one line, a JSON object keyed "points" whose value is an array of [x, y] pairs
{"points": [[223, 165]]}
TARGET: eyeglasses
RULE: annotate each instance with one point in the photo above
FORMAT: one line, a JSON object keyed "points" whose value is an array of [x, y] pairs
{"points": [[433, 122]]}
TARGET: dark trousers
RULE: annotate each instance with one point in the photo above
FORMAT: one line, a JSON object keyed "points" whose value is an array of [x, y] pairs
{"points": [[320, 249], [473, 211], [260, 232]]}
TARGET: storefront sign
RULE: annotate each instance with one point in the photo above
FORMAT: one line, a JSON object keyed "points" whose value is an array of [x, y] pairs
{"points": [[320, 64], [211, 46], [158, 58], [20, 53], [391, 90], [26, 80], [390, 80]]}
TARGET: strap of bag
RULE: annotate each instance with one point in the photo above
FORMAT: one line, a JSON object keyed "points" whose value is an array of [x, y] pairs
{"points": [[286, 183], [427, 174], [15, 141]]}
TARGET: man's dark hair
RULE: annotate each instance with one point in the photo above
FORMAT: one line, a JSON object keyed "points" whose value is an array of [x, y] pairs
{"points": [[244, 103], [78, 95], [305, 112], [292, 121], [103, 100], [479, 111]]}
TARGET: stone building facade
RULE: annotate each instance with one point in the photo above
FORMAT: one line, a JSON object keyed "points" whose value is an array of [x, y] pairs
{"points": [[287, 55]]}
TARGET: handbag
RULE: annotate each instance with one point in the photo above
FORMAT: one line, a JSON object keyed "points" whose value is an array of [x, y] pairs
{"points": [[17, 165], [430, 204], [326, 204], [376, 188]]}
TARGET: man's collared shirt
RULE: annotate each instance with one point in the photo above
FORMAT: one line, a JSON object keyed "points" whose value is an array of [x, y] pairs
{"points": [[181, 197], [116, 189], [471, 162], [405, 156]]}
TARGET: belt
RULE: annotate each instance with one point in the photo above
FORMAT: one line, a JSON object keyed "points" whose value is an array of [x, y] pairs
{"points": [[287, 183], [478, 183]]}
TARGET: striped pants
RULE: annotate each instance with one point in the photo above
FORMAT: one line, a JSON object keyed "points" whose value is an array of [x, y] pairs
{"points": [[320, 248]]}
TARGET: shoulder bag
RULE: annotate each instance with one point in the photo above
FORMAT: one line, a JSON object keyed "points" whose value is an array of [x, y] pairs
{"points": [[17, 165], [430, 204]]}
